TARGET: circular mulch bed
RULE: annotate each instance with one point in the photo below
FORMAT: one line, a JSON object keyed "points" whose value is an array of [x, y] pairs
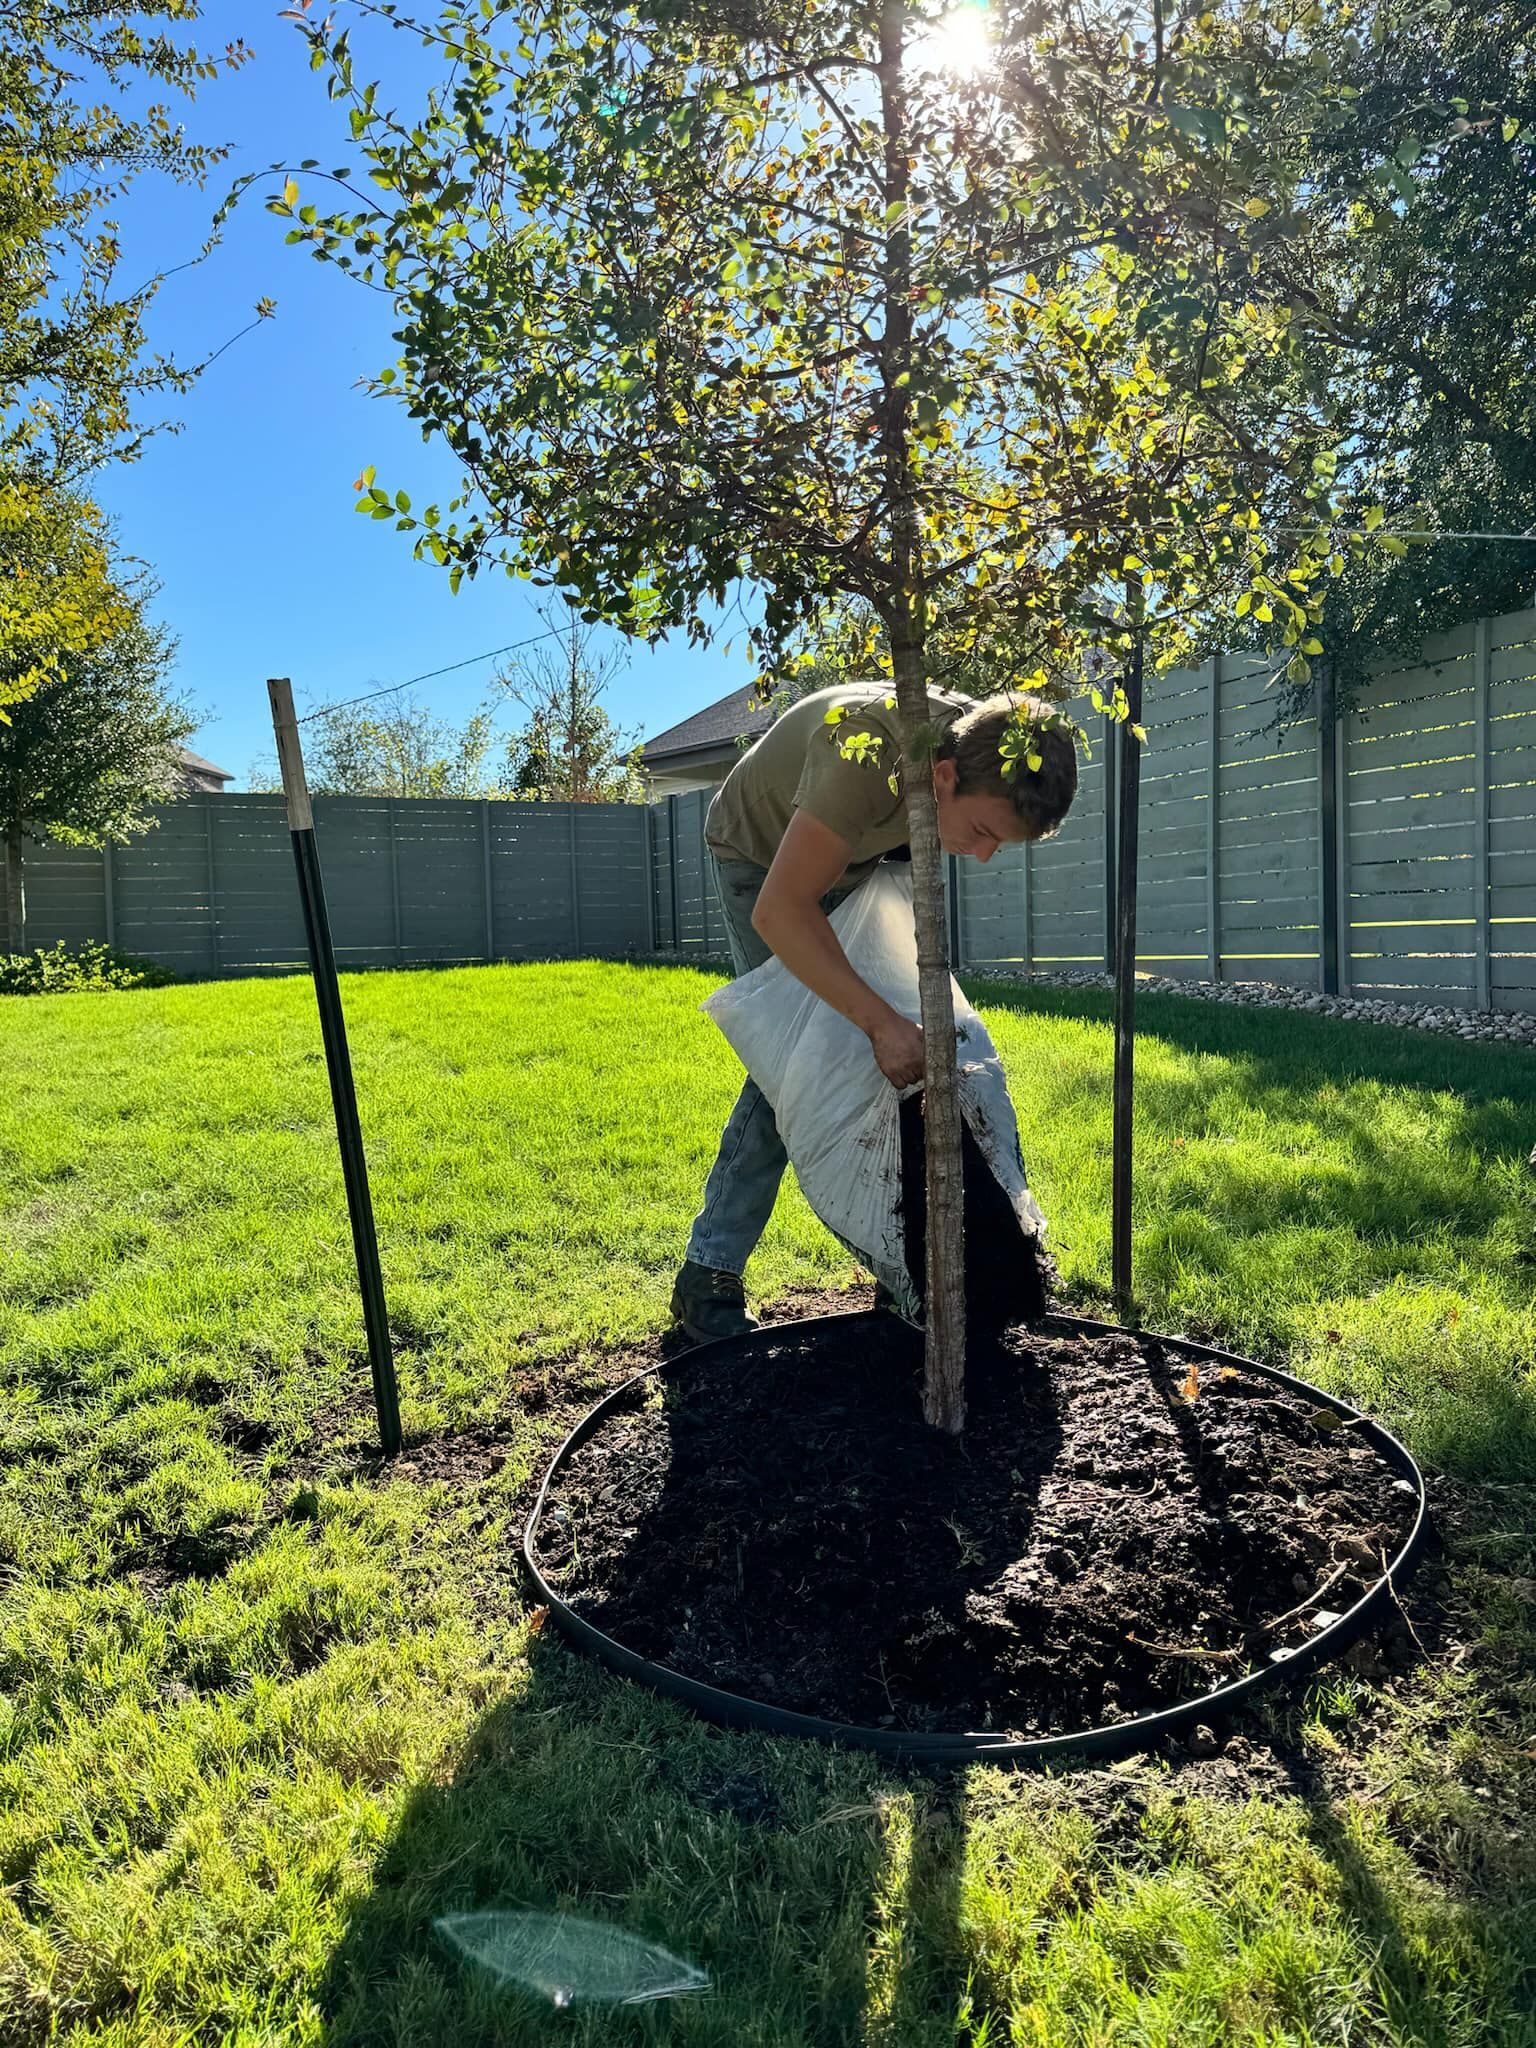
{"points": [[1119, 1529]]}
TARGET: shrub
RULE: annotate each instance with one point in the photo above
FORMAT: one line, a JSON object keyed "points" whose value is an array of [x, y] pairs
{"points": [[56, 970]]}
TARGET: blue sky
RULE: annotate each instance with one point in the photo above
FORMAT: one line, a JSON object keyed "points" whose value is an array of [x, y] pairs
{"points": [[246, 515]]}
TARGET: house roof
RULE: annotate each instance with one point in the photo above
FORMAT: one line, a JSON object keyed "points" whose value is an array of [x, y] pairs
{"points": [[196, 765], [734, 717]]}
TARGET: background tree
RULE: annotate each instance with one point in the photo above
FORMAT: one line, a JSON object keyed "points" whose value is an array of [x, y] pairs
{"points": [[833, 303], [59, 595], [76, 368], [89, 756], [570, 750], [395, 747], [1420, 284]]}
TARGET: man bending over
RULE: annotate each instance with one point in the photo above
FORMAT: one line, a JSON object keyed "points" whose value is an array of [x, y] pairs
{"points": [[797, 825]]}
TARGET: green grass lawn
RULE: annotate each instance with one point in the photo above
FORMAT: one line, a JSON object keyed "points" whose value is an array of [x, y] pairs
{"points": [[267, 1710]]}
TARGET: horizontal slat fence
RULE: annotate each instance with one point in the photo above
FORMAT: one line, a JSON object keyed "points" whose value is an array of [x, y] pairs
{"points": [[211, 889], [1391, 852]]}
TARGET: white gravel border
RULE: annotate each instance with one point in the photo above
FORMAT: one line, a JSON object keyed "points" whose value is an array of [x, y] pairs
{"points": [[1509, 1027]]}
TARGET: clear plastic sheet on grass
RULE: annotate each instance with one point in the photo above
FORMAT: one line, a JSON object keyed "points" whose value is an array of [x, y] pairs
{"points": [[570, 1961]]}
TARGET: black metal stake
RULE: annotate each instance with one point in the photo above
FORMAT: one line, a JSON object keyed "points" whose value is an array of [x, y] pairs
{"points": [[1128, 781], [338, 1060]]}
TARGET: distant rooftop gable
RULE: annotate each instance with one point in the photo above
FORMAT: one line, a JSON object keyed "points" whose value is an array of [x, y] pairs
{"points": [[735, 717], [201, 775]]}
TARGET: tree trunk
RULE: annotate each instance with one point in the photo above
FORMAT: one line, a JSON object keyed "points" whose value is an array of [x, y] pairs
{"points": [[944, 1359], [15, 893], [944, 1355]]}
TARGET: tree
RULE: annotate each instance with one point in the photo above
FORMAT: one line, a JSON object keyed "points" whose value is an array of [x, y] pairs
{"points": [[1420, 282], [59, 595], [794, 296], [397, 748], [570, 751], [75, 366], [89, 756], [74, 361]]}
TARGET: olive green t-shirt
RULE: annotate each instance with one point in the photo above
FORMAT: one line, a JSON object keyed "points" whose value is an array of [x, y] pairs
{"points": [[802, 764]]}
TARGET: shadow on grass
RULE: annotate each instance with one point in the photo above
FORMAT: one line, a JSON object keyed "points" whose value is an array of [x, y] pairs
{"points": [[757, 1861], [1341, 1185]]}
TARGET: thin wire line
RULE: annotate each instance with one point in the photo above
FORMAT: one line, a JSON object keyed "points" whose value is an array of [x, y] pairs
{"points": [[428, 675], [1417, 535]]}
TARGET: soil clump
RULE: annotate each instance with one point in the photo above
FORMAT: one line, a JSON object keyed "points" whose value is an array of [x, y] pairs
{"points": [[1005, 1270], [1115, 1532]]}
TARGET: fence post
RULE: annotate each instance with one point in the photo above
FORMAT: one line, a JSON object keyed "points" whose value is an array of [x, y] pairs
{"points": [[704, 890], [652, 904], [1213, 826], [394, 883], [672, 871], [486, 881], [1341, 846], [1029, 937], [109, 891], [1329, 901], [570, 821], [1483, 658], [213, 889]]}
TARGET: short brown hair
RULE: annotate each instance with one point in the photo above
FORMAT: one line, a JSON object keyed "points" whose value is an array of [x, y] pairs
{"points": [[1042, 796]]}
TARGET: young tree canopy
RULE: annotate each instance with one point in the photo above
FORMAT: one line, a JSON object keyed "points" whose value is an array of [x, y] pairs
{"points": [[802, 296]]}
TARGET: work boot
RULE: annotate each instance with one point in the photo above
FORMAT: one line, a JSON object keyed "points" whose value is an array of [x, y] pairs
{"points": [[710, 1304]]}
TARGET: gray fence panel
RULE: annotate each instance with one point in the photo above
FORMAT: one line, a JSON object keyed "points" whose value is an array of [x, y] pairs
{"points": [[612, 882], [260, 923], [1413, 827], [1434, 826], [439, 868], [1512, 799], [66, 895], [536, 915], [163, 895]]}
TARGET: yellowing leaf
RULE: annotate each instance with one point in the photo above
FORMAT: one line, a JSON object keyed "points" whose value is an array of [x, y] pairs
{"points": [[1255, 208], [290, 191]]}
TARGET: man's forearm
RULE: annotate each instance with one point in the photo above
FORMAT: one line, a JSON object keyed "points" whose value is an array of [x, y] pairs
{"points": [[805, 941]]}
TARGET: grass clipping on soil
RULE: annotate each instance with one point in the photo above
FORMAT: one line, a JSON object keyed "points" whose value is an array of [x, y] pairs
{"points": [[1115, 1532]]}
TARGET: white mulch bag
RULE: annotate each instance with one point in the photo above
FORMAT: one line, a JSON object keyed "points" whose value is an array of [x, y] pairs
{"points": [[838, 1115]]}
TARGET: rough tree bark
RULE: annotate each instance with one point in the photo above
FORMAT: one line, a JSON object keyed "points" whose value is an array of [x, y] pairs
{"points": [[944, 1358]]}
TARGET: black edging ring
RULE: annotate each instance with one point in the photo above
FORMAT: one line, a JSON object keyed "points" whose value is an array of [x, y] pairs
{"points": [[1116, 1739]]}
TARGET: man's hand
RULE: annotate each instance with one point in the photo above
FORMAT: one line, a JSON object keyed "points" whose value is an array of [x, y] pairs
{"points": [[898, 1049]]}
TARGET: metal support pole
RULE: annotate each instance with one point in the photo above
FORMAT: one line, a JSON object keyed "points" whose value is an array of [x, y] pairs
{"points": [[1213, 823], [338, 1060], [1328, 826], [1128, 793], [1111, 828]]}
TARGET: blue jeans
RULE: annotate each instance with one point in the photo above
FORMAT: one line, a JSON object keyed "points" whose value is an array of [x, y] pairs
{"points": [[744, 1181]]}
